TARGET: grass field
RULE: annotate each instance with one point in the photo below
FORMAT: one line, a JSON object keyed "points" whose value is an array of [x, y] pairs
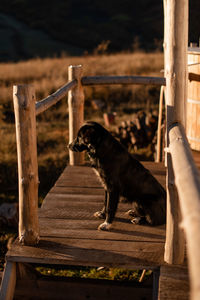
{"points": [[47, 75]]}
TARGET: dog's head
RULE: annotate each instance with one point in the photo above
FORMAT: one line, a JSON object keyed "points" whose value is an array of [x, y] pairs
{"points": [[88, 137]]}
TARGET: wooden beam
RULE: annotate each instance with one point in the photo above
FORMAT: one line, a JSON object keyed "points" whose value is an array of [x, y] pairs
{"points": [[187, 180], [175, 48], [76, 111], [8, 283], [52, 99], [100, 80], [25, 121], [159, 142]]}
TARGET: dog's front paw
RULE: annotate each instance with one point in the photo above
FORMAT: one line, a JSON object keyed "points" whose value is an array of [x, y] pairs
{"points": [[136, 220], [104, 226], [99, 215], [139, 221], [131, 213]]}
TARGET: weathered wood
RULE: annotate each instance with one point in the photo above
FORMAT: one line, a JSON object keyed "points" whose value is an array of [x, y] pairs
{"points": [[159, 141], [25, 120], [187, 180], [76, 111], [175, 46], [52, 99], [83, 252], [69, 234], [173, 283], [8, 282], [80, 289], [193, 101], [100, 80], [86, 228]]}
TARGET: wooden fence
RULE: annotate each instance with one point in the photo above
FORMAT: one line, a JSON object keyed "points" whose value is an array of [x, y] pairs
{"points": [[26, 109], [183, 182]]}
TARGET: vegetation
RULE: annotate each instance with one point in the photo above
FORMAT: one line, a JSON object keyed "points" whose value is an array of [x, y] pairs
{"points": [[94, 273], [76, 27], [47, 75], [80, 26]]}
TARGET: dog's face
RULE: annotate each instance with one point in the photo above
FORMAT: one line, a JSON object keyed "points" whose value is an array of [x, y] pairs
{"points": [[87, 137]]}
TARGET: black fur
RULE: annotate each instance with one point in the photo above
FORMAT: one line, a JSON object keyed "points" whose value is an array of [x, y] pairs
{"points": [[122, 175]]}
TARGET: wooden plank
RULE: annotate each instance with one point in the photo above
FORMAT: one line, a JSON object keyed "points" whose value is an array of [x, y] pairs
{"points": [[73, 190], [173, 283], [62, 251], [121, 230], [70, 200], [81, 289], [78, 211], [8, 281]]}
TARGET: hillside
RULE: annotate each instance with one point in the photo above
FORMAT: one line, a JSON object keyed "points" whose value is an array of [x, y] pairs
{"points": [[47, 28], [44, 28]]}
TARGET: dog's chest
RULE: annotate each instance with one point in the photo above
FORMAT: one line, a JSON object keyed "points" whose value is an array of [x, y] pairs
{"points": [[101, 177]]}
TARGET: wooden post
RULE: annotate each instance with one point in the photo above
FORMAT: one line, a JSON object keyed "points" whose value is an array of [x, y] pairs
{"points": [[76, 112], [175, 47], [25, 120], [8, 281], [159, 142]]}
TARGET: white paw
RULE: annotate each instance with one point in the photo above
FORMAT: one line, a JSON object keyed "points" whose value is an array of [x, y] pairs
{"points": [[136, 220], [130, 213], [104, 226], [99, 215]]}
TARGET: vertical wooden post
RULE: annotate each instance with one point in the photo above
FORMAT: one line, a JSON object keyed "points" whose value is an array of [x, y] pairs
{"points": [[159, 142], [8, 283], [76, 112], [175, 46], [25, 120]]}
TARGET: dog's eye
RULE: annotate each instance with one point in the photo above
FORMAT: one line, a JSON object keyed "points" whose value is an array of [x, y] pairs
{"points": [[86, 139]]}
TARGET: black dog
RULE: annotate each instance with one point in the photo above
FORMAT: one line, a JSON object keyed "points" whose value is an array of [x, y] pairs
{"points": [[122, 175]]}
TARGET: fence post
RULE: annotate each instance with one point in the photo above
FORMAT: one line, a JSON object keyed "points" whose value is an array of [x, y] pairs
{"points": [[25, 121], [175, 48], [159, 134], [76, 111]]}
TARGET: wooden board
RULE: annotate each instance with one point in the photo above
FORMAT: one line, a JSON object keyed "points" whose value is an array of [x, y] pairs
{"points": [[173, 283], [68, 229], [81, 289], [8, 281]]}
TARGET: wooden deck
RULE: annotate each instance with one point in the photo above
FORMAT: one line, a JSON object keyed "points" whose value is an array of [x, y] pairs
{"points": [[69, 235]]}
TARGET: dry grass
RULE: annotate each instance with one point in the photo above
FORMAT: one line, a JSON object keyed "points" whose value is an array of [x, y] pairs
{"points": [[47, 75]]}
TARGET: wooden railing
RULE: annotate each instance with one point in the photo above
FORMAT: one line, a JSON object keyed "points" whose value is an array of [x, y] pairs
{"points": [[187, 181], [26, 109]]}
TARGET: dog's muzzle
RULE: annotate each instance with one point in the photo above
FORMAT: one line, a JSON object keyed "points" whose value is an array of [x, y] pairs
{"points": [[75, 147]]}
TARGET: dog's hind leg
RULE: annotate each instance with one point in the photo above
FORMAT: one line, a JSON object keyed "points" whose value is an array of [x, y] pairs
{"points": [[102, 213], [112, 203]]}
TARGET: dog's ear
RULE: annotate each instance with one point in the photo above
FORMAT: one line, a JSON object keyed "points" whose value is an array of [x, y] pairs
{"points": [[89, 135]]}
